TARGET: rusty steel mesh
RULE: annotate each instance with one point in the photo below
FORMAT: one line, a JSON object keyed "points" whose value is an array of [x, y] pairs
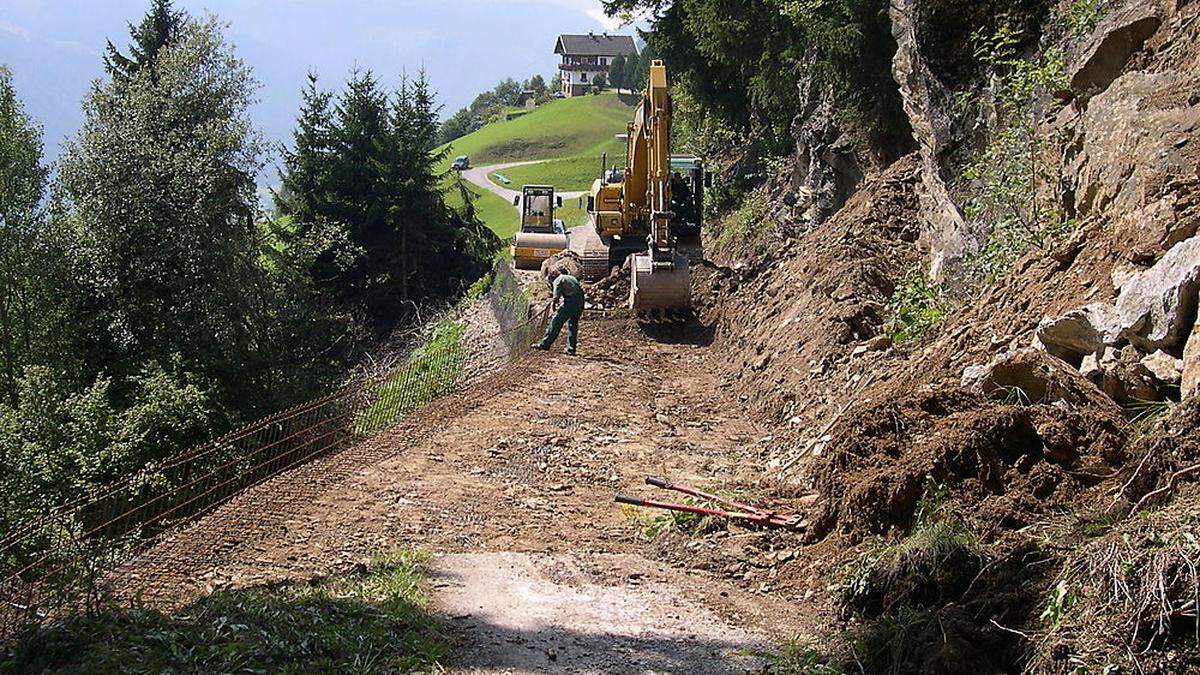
{"points": [[59, 564]]}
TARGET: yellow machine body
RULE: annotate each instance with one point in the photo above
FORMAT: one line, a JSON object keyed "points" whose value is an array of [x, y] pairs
{"points": [[634, 214], [541, 235]]}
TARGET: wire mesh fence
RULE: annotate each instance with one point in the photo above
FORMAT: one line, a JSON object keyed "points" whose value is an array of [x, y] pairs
{"points": [[61, 562]]}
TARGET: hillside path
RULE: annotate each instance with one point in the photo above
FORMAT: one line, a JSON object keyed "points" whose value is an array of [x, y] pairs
{"points": [[509, 486], [479, 176]]}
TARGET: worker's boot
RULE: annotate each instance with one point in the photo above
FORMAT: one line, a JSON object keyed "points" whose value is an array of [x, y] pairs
{"points": [[538, 345], [569, 352]]}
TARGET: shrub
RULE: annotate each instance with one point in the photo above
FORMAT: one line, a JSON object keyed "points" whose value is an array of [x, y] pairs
{"points": [[916, 305]]}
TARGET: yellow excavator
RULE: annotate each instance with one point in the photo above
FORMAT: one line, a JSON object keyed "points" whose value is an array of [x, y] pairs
{"points": [[641, 210], [541, 234]]}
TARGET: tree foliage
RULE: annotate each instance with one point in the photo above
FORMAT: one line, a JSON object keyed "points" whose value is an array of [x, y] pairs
{"points": [[490, 105], [22, 281], [743, 61], [146, 304], [361, 182]]}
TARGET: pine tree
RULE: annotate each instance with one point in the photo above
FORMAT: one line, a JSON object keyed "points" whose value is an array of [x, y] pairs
{"points": [[616, 72], [635, 71], [304, 180], [159, 28]]}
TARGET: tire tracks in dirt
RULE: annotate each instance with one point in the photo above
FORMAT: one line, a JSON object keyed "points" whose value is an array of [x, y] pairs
{"points": [[513, 479]]}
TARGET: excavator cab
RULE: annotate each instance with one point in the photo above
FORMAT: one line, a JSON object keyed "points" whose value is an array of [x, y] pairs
{"points": [[541, 234]]}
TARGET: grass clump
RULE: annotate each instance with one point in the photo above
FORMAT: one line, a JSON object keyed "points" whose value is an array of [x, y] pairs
{"points": [[934, 563], [916, 306], [368, 621]]}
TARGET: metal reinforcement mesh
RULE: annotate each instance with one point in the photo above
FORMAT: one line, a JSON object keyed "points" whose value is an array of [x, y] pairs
{"points": [[62, 562]]}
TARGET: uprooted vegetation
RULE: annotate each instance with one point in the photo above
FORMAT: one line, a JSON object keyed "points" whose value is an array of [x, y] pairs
{"points": [[1009, 313]]}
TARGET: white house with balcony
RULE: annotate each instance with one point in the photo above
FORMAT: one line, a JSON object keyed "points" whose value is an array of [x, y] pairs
{"points": [[586, 56]]}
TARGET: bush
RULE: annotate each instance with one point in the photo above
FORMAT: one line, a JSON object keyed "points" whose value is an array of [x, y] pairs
{"points": [[56, 443], [916, 305]]}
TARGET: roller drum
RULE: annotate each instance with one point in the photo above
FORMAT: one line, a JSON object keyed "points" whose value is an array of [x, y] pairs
{"points": [[531, 249]]}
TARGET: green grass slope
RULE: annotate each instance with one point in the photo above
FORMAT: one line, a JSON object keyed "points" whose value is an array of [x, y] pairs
{"points": [[571, 133], [572, 127]]}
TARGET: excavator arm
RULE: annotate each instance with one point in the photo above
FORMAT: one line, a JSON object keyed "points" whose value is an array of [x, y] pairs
{"points": [[635, 214]]}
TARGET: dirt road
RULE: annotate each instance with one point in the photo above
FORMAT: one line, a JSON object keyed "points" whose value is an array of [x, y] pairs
{"points": [[509, 486]]}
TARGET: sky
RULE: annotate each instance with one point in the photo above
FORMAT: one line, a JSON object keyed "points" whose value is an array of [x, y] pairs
{"points": [[54, 47]]}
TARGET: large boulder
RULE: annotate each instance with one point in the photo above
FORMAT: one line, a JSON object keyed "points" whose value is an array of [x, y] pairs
{"points": [[1080, 332], [1157, 306], [1190, 379], [566, 260], [1124, 378], [1102, 58], [1031, 376]]}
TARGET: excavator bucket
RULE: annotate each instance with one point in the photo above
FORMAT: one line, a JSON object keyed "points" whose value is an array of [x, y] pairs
{"points": [[530, 249], [660, 291]]}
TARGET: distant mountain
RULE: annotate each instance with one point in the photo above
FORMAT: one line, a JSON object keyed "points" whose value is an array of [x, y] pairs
{"points": [[54, 49]]}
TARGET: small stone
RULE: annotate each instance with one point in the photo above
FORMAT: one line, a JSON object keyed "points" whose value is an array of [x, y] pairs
{"points": [[1166, 369]]}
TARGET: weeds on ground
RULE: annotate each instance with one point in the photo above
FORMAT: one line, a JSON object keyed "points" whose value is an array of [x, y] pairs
{"points": [[1124, 596], [938, 554], [654, 524], [368, 621], [916, 306], [1145, 414], [797, 658], [430, 373]]}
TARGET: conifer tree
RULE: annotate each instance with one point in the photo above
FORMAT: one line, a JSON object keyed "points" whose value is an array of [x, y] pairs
{"points": [[616, 72], [159, 28], [305, 176]]}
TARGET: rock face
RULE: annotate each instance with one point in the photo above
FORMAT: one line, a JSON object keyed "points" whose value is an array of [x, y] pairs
{"points": [[1080, 332], [827, 171], [1190, 377], [1157, 306], [1132, 161], [928, 103], [1103, 57]]}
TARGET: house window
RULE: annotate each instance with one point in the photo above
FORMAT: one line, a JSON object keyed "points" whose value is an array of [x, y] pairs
{"points": [[583, 77], [603, 61]]}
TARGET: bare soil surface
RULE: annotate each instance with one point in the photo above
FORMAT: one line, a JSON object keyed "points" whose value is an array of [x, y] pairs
{"points": [[510, 486]]}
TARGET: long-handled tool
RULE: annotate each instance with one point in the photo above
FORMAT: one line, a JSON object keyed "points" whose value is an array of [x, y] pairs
{"points": [[744, 512]]}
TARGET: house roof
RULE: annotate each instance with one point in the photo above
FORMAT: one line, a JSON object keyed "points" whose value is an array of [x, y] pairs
{"points": [[594, 44]]}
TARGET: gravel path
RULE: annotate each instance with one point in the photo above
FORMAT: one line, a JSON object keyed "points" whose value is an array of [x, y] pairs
{"points": [[509, 485]]}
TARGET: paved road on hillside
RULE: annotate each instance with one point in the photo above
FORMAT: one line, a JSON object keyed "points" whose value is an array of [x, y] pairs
{"points": [[479, 176]]}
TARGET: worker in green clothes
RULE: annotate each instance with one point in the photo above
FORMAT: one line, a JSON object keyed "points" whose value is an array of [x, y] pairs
{"points": [[568, 296]]}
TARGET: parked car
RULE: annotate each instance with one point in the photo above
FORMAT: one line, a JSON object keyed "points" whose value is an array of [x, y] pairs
{"points": [[558, 94], [461, 163]]}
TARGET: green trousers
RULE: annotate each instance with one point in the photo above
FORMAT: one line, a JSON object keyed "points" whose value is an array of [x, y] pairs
{"points": [[568, 314]]}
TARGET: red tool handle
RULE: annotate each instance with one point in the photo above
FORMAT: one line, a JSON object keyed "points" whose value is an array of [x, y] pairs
{"points": [[693, 492], [687, 508]]}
